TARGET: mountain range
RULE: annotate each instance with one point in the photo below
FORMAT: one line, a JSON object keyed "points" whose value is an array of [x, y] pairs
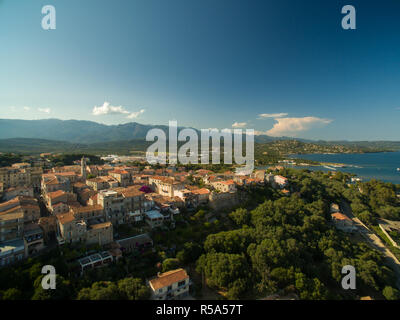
{"points": [[54, 135], [78, 131]]}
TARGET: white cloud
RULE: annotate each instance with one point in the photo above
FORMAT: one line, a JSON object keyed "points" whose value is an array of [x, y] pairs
{"points": [[272, 115], [27, 108], [106, 108], [239, 125], [293, 126], [134, 115], [45, 110]]}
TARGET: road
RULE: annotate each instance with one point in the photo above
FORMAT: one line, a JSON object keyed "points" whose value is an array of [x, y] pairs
{"points": [[375, 241]]}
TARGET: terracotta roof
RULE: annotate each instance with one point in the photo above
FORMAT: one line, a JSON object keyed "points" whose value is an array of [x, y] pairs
{"points": [[65, 174], [55, 194], [79, 185], [165, 179], [89, 208], [201, 191], [101, 225], [97, 180], [119, 172], [340, 216], [227, 182], [65, 217], [168, 278]]}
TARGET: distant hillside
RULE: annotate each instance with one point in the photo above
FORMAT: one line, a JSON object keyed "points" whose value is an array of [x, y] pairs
{"points": [[53, 135], [85, 132], [73, 130], [35, 146]]}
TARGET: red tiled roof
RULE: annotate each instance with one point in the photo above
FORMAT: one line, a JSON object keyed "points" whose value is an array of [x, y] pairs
{"points": [[168, 278]]}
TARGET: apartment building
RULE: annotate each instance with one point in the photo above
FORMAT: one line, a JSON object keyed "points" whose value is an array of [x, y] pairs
{"points": [[28, 206], [122, 176], [122, 205], [113, 204], [11, 225], [165, 186], [13, 192], [72, 230], [171, 285], [20, 174]]}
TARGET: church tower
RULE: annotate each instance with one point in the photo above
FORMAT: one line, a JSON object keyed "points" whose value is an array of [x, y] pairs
{"points": [[83, 168]]}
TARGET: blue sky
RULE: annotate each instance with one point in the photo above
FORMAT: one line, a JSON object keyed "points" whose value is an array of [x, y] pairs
{"points": [[206, 64]]}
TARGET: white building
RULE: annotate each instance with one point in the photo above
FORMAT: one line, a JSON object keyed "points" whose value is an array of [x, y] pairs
{"points": [[154, 218], [171, 285]]}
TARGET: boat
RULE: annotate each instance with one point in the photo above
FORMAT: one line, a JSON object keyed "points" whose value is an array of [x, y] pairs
{"points": [[398, 169]]}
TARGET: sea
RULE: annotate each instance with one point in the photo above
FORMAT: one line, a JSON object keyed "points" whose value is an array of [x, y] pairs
{"points": [[381, 166]]}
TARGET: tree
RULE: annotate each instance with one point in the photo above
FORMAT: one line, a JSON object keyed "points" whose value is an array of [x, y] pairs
{"points": [[240, 216], [190, 253], [170, 264], [63, 290], [223, 269], [391, 293], [133, 289], [102, 290], [12, 294]]}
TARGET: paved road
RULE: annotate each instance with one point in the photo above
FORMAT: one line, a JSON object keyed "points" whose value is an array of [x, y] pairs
{"points": [[375, 241]]}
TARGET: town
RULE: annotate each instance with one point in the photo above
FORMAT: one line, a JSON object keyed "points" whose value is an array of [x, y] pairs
{"points": [[100, 211], [86, 204]]}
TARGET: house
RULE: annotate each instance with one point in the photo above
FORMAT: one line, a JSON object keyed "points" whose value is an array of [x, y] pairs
{"points": [[154, 218], [171, 285], [11, 251], [33, 239], [343, 222], [98, 184], [280, 181], [201, 195], [224, 186]]}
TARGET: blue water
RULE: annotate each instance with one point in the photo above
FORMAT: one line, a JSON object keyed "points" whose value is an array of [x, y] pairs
{"points": [[380, 166]]}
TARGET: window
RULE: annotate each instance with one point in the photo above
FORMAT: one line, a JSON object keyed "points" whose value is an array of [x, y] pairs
{"points": [[181, 283]]}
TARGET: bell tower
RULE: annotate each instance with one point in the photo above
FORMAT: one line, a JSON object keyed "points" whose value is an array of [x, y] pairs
{"points": [[83, 168]]}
